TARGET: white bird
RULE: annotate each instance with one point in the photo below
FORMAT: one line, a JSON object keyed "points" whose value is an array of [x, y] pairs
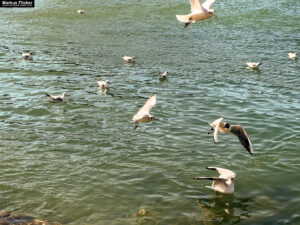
{"points": [[224, 183], [80, 11], [143, 115], [198, 12], [237, 130], [253, 65], [163, 76], [27, 55], [129, 58], [61, 98], [103, 84], [292, 55]]}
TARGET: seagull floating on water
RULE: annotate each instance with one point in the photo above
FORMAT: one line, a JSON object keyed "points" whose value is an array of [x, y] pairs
{"points": [[103, 84], [27, 55], [80, 11], [292, 55], [253, 65], [163, 76], [224, 183], [237, 130], [143, 115], [129, 58], [54, 98], [198, 12]]}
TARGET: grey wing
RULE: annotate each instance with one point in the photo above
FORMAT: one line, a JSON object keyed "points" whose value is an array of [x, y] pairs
{"points": [[145, 110], [208, 3], [196, 5], [240, 132], [148, 105]]}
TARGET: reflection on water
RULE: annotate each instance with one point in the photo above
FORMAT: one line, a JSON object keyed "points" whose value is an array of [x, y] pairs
{"points": [[224, 208]]}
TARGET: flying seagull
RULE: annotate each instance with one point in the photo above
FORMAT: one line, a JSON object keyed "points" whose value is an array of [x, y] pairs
{"points": [[198, 12], [224, 183], [128, 58], [253, 65], [143, 115], [61, 98], [103, 84], [292, 55], [237, 130]]}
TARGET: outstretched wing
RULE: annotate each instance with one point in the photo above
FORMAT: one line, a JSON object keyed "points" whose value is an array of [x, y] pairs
{"points": [[225, 173], [215, 125], [240, 132], [208, 3], [145, 110], [210, 178], [196, 5]]}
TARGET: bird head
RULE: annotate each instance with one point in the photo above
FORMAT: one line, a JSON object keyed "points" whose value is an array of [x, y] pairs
{"points": [[212, 12]]}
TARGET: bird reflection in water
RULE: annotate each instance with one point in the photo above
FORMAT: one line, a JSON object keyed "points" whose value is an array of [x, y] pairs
{"points": [[223, 208]]}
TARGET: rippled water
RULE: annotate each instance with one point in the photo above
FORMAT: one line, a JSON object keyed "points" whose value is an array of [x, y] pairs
{"points": [[82, 162]]}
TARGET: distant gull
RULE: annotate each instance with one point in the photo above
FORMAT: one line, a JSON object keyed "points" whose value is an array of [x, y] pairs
{"points": [[237, 130], [103, 84], [143, 115], [253, 65], [80, 11], [129, 58], [292, 55], [224, 183], [61, 98], [163, 76], [27, 55], [198, 12]]}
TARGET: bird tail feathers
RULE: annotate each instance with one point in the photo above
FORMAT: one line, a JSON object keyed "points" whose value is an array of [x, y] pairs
{"points": [[183, 18]]}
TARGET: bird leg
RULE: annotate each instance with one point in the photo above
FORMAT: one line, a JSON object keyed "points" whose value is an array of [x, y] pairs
{"points": [[188, 23], [136, 125]]}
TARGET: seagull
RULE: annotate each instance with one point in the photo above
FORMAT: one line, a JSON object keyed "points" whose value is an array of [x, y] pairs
{"points": [[80, 11], [103, 84], [128, 58], [253, 65], [237, 130], [61, 98], [224, 183], [292, 55], [27, 55], [163, 76], [198, 12], [143, 115]]}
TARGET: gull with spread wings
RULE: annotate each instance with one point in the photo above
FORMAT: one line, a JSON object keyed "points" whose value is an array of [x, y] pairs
{"points": [[237, 130], [224, 183], [143, 115], [198, 12]]}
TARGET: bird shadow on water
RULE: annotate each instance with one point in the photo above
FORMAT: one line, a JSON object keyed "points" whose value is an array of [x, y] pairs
{"points": [[223, 209]]}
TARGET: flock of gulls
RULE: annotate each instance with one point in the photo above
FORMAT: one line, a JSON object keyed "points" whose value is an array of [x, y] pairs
{"points": [[225, 182]]}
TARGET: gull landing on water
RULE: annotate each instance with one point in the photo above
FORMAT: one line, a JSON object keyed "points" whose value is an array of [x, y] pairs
{"points": [[103, 84], [143, 115], [237, 130], [253, 65], [224, 183], [198, 12], [292, 55], [129, 58], [61, 98]]}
